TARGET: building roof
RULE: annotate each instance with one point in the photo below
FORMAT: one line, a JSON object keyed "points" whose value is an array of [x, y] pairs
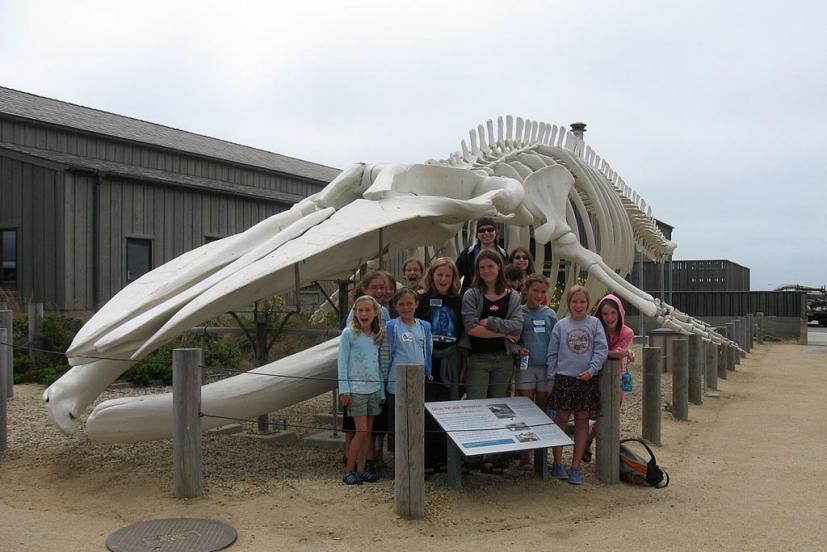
{"points": [[68, 161], [64, 114]]}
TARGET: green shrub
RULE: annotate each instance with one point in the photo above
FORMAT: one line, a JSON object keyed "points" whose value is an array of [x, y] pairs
{"points": [[49, 361]]}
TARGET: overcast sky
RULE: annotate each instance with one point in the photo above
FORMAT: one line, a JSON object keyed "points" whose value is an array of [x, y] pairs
{"points": [[714, 112]]}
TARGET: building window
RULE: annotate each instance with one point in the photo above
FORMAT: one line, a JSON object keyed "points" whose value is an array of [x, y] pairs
{"points": [[138, 258], [8, 259]]}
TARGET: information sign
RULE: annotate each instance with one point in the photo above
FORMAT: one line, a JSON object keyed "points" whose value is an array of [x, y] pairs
{"points": [[483, 426]]}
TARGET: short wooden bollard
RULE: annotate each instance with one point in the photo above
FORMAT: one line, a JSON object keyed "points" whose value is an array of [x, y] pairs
{"points": [[712, 366], [651, 402], [4, 424], [739, 339], [186, 431], [663, 338], [732, 331], [697, 358], [7, 322], [680, 379], [723, 354], [409, 466], [607, 452], [760, 325], [744, 338]]}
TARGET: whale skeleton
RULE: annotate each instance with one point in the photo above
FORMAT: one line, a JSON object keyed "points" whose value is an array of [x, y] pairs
{"points": [[540, 180]]}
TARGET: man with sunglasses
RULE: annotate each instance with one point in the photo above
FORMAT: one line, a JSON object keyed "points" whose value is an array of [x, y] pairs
{"points": [[486, 239]]}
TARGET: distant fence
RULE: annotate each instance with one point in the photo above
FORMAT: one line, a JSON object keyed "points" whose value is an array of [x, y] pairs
{"points": [[787, 304], [706, 275]]}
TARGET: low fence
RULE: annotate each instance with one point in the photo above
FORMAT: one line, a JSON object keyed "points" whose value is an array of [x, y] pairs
{"points": [[695, 366], [785, 313]]}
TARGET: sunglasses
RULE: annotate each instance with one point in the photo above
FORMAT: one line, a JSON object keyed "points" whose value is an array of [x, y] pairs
{"points": [[520, 258], [486, 230]]}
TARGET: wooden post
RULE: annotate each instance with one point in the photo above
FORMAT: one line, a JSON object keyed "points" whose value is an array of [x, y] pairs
{"points": [[732, 332], [7, 350], [454, 456], [723, 354], [742, 322], [186, 430], [541, 463], [760, 316], [263, 421], [696, 369], [607, 463], [680, 379], [35, 311], [651, 404], [409, 468], [750, 332], [734, 358], [712, 366], [4, 373]]}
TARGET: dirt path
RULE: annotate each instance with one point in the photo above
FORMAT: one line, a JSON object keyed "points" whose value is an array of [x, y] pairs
{"points": [[748, 474]]}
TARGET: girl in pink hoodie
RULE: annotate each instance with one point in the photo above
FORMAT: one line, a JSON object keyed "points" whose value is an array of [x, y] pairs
{"points": [[610, 312]]}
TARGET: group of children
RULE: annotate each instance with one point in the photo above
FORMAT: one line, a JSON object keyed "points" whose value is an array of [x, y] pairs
{"points": [[496, 326]]}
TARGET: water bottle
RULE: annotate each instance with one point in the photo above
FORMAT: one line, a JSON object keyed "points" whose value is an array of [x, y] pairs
{"points": [[524, 362], [627, 381]]}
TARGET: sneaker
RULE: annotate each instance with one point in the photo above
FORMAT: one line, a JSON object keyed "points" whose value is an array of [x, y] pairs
{"points": [[352, 478], [558, 471], [367, 476], [575, 476]]}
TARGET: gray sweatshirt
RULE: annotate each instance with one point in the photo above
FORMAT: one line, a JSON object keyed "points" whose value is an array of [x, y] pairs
{"points": [[577, 346], [511, 324]]}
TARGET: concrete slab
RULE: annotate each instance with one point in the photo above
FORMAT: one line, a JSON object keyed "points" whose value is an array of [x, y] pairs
{"points": [[325, 439], [817, 336], [228, 429], [325, 419], [280, 438]]}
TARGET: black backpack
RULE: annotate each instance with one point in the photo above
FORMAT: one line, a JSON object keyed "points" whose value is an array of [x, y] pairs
{"points": [[637, 471]]}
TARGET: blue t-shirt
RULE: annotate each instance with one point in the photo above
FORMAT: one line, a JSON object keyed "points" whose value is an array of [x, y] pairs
{"points": [[409, 345], [358, 364], [537, 326]]}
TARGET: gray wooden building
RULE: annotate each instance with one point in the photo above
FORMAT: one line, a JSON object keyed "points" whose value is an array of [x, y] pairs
{"points": [[91, 200]]}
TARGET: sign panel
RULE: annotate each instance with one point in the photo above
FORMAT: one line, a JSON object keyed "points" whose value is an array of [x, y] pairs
{"points": [[483, 426]]}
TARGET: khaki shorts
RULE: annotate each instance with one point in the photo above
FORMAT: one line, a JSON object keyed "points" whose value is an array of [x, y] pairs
{"points": [[365, 405], [532, 378]]}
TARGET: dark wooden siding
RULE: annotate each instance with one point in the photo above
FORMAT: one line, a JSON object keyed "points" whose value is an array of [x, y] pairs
{"points": [[175, 220], [702, 304], [101, 147], [80, 258], [712, 275], [29, 196]]}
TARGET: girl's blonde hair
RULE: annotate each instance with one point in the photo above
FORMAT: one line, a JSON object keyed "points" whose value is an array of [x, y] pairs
{"points": [[377, 326], [577, 289], [428, 280]]}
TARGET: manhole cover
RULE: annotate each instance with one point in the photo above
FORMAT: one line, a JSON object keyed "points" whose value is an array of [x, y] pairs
{"points": [[172, 535]]}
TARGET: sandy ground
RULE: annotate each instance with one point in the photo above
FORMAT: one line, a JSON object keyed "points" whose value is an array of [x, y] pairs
{"points": [[747, 474]]}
